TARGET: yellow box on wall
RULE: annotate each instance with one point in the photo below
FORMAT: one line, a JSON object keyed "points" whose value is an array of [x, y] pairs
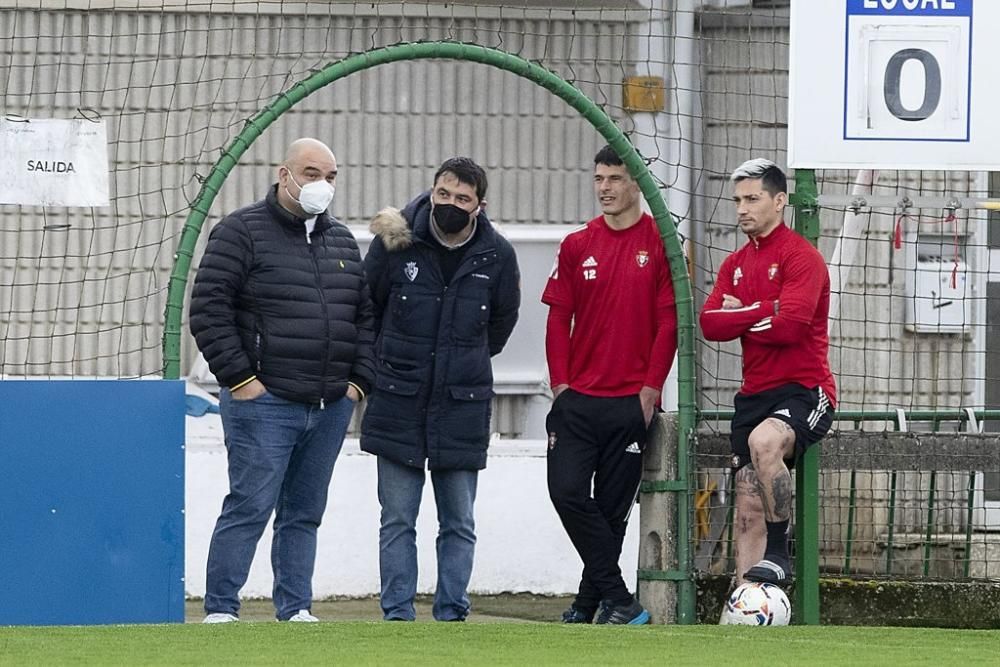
{"points": [[643, 93]]}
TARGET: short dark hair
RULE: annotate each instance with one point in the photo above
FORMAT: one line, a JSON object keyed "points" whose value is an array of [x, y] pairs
{"points": [[466, 171], [608, 156], [772, 179]]}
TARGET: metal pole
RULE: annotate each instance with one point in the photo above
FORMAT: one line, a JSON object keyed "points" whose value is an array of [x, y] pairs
{"points": [[807, 472]]}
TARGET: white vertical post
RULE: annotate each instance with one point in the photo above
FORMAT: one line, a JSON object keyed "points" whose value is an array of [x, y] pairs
{"points": [[666, 48]]}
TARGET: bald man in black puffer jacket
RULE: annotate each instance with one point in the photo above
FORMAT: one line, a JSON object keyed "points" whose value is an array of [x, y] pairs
{"points": [[282, 313]]}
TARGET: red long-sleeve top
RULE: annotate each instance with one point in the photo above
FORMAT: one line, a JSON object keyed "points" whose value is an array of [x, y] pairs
{"points": [[612, 325], [784, 285]]}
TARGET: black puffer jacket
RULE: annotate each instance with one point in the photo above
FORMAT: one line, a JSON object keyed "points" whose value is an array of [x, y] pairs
{"points": [[434, 381], [292, 310]]}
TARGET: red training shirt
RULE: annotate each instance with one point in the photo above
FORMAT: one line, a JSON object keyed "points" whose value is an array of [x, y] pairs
{"points": [[612, 325], [783, 283]]}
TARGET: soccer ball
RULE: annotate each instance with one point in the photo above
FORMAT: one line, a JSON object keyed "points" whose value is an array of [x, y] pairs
{"points": [[757, 604]]}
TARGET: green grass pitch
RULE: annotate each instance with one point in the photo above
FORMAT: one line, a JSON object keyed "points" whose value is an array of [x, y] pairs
{"points": [[523, 644]]}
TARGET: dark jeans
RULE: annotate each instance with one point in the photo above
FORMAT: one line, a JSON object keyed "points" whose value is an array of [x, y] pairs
{"points": [[400, 489], [281, 457]]}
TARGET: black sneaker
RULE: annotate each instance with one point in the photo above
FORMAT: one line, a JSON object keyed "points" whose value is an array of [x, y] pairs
{"points": [[630, 614], [574, 615], [775, 570]]}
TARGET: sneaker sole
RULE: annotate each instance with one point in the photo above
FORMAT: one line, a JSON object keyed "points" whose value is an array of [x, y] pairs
{"points": [[784, 583], [768, 574], [641, 619]]}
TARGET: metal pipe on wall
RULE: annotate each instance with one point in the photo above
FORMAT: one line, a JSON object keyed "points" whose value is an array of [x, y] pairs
{"points": [[665, 138]]}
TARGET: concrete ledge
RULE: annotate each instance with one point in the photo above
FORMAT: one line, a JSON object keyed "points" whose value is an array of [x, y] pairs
{"points": [[884, 450], [972, 605]]}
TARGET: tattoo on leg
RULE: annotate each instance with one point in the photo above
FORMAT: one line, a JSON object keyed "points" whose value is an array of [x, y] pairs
{"points": [[781, 488], [747, 482], [784, 430], [765, 500]]}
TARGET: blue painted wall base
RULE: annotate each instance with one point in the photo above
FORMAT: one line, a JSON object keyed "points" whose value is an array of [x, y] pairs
{"points": [[91, 501]]}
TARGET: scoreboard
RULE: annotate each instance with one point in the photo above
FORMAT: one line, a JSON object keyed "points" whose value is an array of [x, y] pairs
{"points": [[900, 84]]}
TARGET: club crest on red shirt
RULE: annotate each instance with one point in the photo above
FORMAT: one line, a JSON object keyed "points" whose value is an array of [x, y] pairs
{"points": [[642, 258], [772, 272]]}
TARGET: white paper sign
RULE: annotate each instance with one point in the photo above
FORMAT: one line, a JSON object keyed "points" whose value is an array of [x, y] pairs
{"points": [[53, 162]]}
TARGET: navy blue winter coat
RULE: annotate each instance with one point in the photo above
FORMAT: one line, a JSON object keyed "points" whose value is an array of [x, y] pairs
{"points": [[292, 310], [434, 378]]}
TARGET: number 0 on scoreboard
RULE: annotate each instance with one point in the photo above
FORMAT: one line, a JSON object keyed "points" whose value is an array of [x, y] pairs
{"points": [[894, 84], [907, 70]]}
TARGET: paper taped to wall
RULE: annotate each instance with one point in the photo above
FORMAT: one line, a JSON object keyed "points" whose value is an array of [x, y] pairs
{"points": [[53, 162]]}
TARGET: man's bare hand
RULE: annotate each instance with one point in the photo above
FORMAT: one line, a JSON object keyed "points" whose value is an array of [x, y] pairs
{"points": [[648, 398], [353, 394], [249, 391], [729, 302]]}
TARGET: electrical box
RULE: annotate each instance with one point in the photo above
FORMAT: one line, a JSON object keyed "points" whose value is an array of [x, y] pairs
{"points": [[643, 93], [938, 297]]}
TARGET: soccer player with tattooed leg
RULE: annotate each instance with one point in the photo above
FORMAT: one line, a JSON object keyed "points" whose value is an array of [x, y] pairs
{"points": [[610, 340], [774, 295]]}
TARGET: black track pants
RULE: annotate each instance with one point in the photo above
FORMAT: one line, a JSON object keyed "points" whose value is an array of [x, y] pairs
{"points": [[594, 470]]}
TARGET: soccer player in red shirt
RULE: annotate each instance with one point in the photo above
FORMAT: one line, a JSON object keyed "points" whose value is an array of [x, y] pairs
{"points": [[774, 295], [610, 340]]}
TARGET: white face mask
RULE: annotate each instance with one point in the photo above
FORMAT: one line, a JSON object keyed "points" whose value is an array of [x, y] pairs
{"points": [[314, 197]]}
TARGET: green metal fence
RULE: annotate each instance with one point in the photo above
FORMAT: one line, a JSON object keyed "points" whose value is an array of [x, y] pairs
{"points": [[950, 445]]}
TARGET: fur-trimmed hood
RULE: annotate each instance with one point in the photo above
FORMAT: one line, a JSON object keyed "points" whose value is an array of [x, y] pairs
{"points": [[390, 225], [399, 229]]}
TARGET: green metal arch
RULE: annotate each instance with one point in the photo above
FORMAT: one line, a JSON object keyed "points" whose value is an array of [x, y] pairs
{"points": [[571, 95]]}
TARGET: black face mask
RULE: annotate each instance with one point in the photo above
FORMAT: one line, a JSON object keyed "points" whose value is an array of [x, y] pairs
{"points": [[450, 219]]}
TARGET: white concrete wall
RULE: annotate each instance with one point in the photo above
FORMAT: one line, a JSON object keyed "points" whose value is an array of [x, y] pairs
{"points": [[521, 544]]}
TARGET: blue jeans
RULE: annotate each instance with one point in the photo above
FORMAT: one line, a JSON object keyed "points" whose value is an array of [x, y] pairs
{"points": [[281, 457], [400, 488]]}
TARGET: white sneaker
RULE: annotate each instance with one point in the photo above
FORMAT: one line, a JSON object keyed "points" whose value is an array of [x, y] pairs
{"points": [[220, 618], [303, 616]]}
